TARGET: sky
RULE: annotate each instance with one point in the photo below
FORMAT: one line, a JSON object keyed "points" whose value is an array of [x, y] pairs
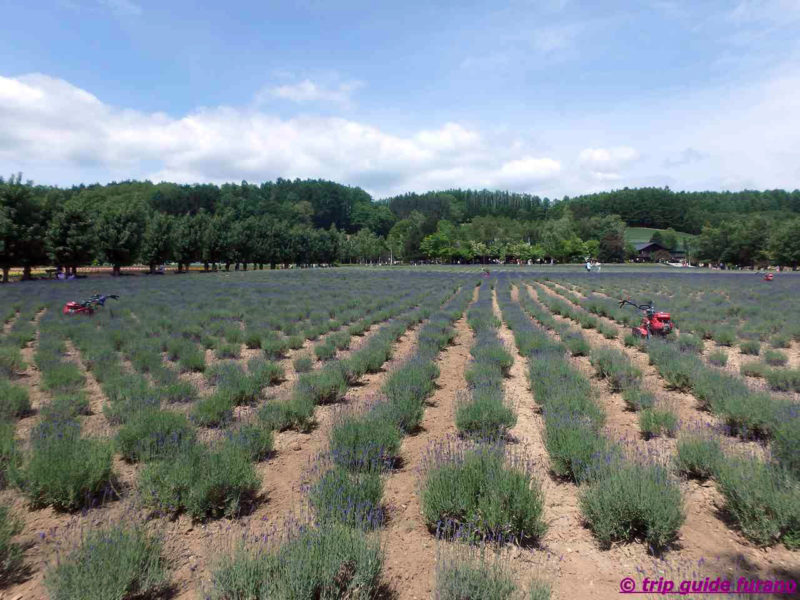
{"points": [[551, 97]]}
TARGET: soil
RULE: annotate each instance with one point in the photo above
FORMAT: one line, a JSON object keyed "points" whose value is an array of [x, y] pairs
{"points": [[705, 534], [411, 573], [568, 555]]}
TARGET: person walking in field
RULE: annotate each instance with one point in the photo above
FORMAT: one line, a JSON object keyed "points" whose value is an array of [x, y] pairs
{"points": [[588, 266]]}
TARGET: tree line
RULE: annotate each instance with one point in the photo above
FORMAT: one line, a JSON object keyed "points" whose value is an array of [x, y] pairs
{"points": [[317, 222]]}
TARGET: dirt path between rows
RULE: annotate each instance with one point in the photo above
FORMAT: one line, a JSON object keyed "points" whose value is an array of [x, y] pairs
{"points": [[10, 323], [191, 548], [95, 424], [31, 378], [683, 404], [621, 424], [410, 549], [705, 535], [571, 555], [283, 479]]}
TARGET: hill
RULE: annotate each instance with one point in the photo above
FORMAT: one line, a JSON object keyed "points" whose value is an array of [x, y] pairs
{"points": [[640, 235]]}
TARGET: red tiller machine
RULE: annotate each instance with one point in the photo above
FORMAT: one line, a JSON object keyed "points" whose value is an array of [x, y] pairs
{"points": [[653, 322]]}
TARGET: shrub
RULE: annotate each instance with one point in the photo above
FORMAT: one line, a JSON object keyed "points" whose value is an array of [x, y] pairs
{"points": [[274, 348], [539, 590], [750, 347], [485, 415], [576, 344], [214, 410], [775, 358], [637, 399], [255, 441], [341, 340], [191, 358], [608, 331], [228, 351], [9, 453], [302, 364], [762, 499], [326, 562], [654, 422], [781, 341], [297, 413], [151, 435], [65, 407], [465, 578], [634, 501], [690, 343], [753, 369], [65, 470], [264, 373], [614, 366], [632, 341], [10, 553], [574, 445], [14, 401], [113, 562], [718, 358], [785, 448], [475, 491], [322, 387], [128, 395], [295, 342], [352, 499], [698, 456], [11, 361], [494, 356], [364, 443], [724, 336], [406, 390], [62, 377], [177, 392], [677, 368], [325, 351], [252, 340], [783, 380], [201, 482]]}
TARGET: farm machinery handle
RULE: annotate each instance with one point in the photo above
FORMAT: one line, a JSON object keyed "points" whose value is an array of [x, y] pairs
{"points": [[87, 307], [653, 322]]}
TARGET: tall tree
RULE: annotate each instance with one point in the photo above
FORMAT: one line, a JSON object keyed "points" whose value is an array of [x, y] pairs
{"points": [[71, 238], [157, 240], [785, 243], [23, 227], [120, 227]]}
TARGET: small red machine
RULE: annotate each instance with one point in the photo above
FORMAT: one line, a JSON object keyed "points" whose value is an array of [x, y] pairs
{"points": [[769, 276], [653, 322], [88, 306]]}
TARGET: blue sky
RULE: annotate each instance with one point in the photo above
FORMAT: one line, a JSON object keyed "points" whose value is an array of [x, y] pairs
{"points": [[553, 97]]}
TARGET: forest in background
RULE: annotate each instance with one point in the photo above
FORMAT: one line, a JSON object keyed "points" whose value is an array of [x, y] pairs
{"points": [[321, 222]]}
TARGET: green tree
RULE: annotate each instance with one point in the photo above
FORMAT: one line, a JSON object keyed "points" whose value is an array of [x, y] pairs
{"points": [[187, 239], [22, 227], [612, 248], [70, 238], [157, 240], [406, 235], [119, 229], [785, 243]]}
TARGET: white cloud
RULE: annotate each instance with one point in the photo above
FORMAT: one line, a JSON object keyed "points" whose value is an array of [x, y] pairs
{"points": [[523, 172], [46, 121], [309, 91], [604, 163], [55, 132]]}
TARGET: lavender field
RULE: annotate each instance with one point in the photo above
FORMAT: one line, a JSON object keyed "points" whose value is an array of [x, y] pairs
{"points": [[420, 432]]}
